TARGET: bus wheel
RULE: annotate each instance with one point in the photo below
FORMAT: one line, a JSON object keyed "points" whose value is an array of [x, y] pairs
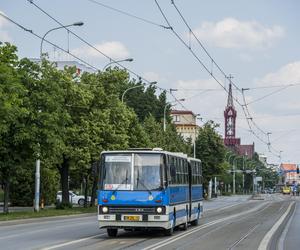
{"points": [[170, 231], [185, 225], [112, 232], [195, 222]]}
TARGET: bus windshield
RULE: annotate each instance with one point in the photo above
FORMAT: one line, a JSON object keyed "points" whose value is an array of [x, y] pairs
{"points": [[143, 174], [117, 172]]}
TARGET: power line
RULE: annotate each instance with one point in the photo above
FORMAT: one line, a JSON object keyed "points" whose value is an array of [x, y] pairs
{"points": [[47, 41], [267, 95], [128, 14], [244, 106], [58, 47], [92, 46]]}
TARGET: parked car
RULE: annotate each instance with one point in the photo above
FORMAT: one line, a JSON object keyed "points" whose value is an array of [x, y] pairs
{"points": [[73, 198]]}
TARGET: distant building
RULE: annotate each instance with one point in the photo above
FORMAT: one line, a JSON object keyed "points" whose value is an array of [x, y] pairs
{"points": [[230, 140], [263, 159], [61, 64], [289, 173], [185, 122]]}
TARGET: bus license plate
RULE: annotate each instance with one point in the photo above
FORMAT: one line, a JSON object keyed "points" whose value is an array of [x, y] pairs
{"points": [[132, 218]]}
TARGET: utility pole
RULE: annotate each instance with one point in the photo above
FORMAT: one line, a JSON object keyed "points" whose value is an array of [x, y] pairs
{"points": [[37, 186], [233, 180]]}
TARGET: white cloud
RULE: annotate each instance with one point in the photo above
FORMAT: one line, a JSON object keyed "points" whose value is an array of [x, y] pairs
{"points": [[288, 74], [232, 33], [4, 36], [153, 77], [114, 49]]}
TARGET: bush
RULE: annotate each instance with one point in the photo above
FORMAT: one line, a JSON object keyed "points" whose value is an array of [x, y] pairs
{"points": [[61, 205], [226, 194]]}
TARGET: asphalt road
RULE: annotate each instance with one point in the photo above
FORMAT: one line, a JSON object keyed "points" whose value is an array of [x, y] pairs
{"points": [[228, 223]]}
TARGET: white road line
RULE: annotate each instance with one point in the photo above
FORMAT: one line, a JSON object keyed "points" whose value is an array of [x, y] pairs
{"points": [[221, 208], [72, 242], [265, 241], [285, 231], [180, 236]]}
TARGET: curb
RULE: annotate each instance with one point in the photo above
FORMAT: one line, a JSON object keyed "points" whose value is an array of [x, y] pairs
{"points": [[43, 219]]}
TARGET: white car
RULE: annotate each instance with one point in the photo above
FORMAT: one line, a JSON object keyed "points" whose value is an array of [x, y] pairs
{"points": [[73, 198]]}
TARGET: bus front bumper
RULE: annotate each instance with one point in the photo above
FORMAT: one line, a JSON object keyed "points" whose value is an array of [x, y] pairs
{"points": [[152, 221]]}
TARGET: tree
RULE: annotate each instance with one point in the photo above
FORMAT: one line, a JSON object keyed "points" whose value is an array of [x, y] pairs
{"points": [[11, 111], [211, 150]]}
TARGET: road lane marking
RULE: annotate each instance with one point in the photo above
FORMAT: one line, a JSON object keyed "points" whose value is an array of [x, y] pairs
{"points": [[265, 241], [221, 208], [285, 231], [72, 242], [182, 235]]}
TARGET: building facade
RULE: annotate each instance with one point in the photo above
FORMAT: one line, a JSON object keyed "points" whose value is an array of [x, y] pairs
{"points": [[185, 122], [289, 173]]}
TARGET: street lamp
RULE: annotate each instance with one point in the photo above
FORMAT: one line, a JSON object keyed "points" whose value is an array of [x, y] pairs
{"points": [[37, 163], [233, 174], [134, 87], [111, 62], [57, 28], [165, 108]]}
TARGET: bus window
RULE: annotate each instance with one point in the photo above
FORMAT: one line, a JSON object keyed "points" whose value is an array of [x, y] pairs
{"points": [[117, 172], [147, 171]]}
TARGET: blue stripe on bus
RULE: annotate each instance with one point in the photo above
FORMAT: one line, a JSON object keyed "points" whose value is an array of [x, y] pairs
{"points": [[179, 214], [142, 198]]}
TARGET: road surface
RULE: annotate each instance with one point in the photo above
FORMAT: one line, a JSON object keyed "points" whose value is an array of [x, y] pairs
{"points": [[229, 223]]}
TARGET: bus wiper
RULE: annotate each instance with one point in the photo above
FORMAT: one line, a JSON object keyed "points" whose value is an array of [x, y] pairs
{"points": [[138, 181], [124, 181]]}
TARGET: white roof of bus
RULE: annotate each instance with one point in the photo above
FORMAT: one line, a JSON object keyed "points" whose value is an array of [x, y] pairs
{"points": [[178, 154]]}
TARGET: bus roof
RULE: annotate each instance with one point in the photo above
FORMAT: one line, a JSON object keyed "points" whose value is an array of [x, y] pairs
{"points": [[148, 151]]}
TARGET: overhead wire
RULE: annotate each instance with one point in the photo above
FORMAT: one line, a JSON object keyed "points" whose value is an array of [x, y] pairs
{"points": [[92, 46], [128, 14], [47, 41], [244, 106], [60, 48]]}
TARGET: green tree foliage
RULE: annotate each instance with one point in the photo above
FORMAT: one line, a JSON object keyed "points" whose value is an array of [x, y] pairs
{"points": [[66, 120], [211, 150]]}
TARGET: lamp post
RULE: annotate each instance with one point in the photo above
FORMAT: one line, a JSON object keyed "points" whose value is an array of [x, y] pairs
{"points": [[165, 109], [111, 62], [134, 87], [233, 174], [57, 28]]}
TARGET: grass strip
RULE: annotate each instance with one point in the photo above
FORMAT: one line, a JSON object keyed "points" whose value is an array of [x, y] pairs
{"points": [[49, 212]]}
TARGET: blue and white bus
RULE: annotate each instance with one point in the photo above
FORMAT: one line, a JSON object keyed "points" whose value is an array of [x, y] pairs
{"points": [[149, 189]]}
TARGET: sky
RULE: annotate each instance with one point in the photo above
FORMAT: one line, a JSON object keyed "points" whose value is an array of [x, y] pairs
{"points": [[257, 42]]}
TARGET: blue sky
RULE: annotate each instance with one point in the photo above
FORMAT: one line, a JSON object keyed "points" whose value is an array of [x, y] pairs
{"points": [[255, 41]]}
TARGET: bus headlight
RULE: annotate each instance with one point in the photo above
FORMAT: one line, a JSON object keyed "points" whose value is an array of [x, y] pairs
{"points": [[104, 210], [159, 210]]}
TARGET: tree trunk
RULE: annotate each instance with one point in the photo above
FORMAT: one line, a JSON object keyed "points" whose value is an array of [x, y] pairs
{"points": [[95, 175], [86, 186], [6, 196], [64, 180], [94, 190]]}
